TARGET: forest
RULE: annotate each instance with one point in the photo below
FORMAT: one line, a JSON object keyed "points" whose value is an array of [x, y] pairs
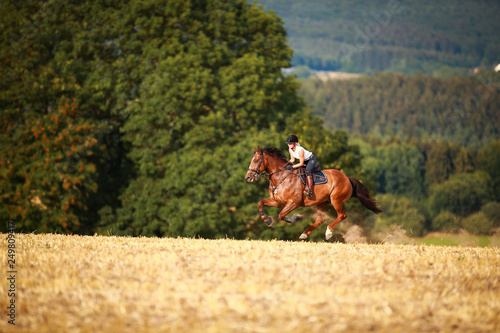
{"points": [[433, 37], [455, 109], [431, 144], [139, 118]]}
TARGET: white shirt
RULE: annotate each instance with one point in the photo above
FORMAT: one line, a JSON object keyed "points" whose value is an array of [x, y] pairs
{"points": [[295, 154]]}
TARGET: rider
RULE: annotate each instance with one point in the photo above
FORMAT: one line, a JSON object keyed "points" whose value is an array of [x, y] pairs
{"points": [[306, 159]]}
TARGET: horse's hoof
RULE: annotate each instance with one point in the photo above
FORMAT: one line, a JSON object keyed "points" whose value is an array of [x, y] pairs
{"points": [[269, 221], [328, 234], [303, 237]]}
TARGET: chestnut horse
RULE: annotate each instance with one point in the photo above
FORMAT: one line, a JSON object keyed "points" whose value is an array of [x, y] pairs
{"points": [[285, 190]]}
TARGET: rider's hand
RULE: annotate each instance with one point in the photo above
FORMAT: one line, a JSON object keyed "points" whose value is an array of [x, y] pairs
{"points": [[289, 167]]}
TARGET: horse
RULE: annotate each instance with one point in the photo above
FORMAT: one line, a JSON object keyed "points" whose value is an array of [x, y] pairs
{"points": [[286, 191]]}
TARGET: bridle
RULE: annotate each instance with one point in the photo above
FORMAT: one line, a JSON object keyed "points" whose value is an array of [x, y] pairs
{"points": [[268, 175], [264, 174], [257, 172]]}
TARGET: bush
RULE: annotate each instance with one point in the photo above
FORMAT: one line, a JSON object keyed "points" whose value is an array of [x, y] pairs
{"points": [[492, 212], [400, 211], [462, 194], [478, 224], [446, 221]]}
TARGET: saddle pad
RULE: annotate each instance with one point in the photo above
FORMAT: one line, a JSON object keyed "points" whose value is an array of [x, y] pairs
{"points": [[319, 178]]}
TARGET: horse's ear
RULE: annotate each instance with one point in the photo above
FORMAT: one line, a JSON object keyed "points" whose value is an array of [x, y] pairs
{"points": [[253, 150], [258, 149]]}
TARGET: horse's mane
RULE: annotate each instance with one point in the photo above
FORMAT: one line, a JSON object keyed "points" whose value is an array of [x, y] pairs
{"points": [[275, 152]]}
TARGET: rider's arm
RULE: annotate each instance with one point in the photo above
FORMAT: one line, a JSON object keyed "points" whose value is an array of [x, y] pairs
{"points": [[301, 155], [292, 159]]}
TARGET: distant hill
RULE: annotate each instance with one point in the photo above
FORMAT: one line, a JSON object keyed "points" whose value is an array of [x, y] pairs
{"points": [[440, 37], [461, 110]]}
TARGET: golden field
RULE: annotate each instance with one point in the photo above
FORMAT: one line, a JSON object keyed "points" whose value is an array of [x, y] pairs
{"points": [[125, 284]]}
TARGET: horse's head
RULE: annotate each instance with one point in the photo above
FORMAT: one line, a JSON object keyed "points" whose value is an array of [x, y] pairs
{"points": [[257, 166]]}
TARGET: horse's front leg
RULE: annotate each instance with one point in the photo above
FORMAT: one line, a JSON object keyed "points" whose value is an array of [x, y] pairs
{"points": [[270, 202]]}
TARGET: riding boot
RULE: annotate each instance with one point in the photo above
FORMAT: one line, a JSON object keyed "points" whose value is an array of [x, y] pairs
{"points": [[310, 185]]}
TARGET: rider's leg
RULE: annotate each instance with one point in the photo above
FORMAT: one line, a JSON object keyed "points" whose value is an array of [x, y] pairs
{"points": [[310, 185], [311, 164]]}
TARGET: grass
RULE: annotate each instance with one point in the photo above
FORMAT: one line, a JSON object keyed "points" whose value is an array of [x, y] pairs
{"points": [[124, 284], [445, 239]]}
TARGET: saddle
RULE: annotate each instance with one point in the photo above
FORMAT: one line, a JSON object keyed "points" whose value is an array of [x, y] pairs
{"points": [[319, 177]]}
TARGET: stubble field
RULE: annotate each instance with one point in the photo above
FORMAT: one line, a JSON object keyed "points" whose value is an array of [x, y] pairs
{"points": [[124, 284]]}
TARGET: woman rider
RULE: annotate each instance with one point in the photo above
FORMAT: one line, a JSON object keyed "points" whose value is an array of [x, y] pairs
{"points": [[306, 159]]}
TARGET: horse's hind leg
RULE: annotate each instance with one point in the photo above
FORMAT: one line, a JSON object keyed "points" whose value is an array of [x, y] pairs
{"points": [[320, 218], [341, 215]]}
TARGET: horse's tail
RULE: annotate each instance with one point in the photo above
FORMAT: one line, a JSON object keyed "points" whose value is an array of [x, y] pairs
{"points": [[360, 192]]}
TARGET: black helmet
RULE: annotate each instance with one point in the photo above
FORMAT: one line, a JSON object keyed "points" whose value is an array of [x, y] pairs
{"points": [[292, 138]]}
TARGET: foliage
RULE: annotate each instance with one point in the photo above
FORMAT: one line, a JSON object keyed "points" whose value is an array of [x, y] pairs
{"points": [[381, 35], [166, 102], [444, 159], [52, 51], [462, 194], [144, 125], [215, 91], [460, 110], [399, 211], [477, 224], [489, 161], [492, 211], [46, 180], [398, 168], [446, 221], [450, 182]]}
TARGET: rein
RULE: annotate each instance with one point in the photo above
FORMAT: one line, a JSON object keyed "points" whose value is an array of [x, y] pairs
{"points": [[268, 175], [258, 167], [274, 188]]}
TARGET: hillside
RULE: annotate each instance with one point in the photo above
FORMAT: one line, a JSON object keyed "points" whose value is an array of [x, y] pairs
{"points": [[127, 284], [379, 35], [461, 110]]}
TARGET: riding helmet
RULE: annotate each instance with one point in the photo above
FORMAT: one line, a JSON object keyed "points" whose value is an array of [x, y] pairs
{"points": [[292, 138]]}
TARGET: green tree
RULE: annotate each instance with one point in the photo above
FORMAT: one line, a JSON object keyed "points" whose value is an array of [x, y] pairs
{"points": [[444, 159], [214, 88], [489, 160], [461, 194], [52, 51], [492, 211], [399, 169], [478, 224], [462, 110], [47, 179], [400, 211], [446, 221]]}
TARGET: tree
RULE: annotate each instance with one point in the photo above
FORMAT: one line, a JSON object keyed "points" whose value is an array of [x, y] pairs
{"points": [[400, 211], [446, 221], [47, 179], [492, 211], [399, 169], [53, 51], [461, 194], [444, 159], [214, 90], [489, 160], [478, 224]]}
